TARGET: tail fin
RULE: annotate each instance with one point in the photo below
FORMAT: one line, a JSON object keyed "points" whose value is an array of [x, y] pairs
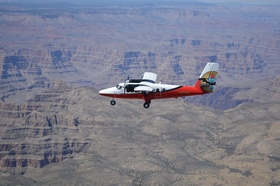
{"points": [[208, 77]]}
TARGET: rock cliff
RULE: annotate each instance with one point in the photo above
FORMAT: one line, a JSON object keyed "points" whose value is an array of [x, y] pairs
{"points": [[33, 133], [100, 46], [55, 129], [67, 134]]}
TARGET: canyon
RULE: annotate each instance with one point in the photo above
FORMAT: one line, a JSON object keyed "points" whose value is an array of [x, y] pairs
{"points": [[56, 129], [67, 135], [91, 46]]}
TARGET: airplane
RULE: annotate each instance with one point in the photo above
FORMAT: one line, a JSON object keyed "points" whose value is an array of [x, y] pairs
{"points": [[147, 89]]}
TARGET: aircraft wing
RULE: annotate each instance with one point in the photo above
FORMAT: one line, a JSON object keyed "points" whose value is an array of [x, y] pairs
{"points": [[143, 88], [149, 77]]}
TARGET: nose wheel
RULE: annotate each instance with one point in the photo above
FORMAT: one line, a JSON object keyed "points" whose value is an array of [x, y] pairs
{"points": [[113, 102]]}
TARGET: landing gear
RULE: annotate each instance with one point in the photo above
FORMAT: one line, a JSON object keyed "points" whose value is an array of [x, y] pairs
{"points": [[113, 102], [146, 104]]}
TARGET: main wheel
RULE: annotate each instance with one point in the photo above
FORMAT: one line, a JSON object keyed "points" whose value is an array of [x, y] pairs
{"points": [[146, 105], [113, 102]]}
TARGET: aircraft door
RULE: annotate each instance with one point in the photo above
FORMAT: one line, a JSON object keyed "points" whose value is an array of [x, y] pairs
{"points": [[130, 88]]}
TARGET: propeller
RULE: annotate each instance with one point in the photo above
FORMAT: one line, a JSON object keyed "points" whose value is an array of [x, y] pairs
{"points": [[124, 84]]}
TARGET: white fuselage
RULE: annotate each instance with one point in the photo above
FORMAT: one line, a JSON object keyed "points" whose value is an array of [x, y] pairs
{"points": [[128, 88]]}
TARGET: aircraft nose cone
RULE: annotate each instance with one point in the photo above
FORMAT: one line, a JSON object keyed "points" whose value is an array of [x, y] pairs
{"points": [[107, 91], [102, 92]]}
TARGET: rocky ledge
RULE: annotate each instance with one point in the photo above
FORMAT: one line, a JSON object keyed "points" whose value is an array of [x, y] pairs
{"points": [[37, 133]]}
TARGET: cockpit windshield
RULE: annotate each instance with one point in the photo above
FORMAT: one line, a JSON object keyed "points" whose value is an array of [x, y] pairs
{"points": [[118, 86]]}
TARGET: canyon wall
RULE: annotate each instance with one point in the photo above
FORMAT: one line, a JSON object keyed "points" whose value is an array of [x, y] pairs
{"points": [[38, 133], [56, 129], [99, 47], [71, 135]]}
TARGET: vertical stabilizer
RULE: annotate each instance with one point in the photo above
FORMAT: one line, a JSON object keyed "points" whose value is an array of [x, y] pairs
{"points": [[208, 77]]}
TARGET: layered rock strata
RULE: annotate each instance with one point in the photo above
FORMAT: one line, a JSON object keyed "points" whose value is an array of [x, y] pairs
{"points": [[37, 133], [100, 46]]}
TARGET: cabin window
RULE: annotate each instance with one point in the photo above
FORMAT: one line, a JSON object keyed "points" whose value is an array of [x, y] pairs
{"points": [[118, 86]]}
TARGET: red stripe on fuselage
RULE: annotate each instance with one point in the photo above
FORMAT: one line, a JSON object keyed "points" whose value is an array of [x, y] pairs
{"points": [[182, 91]]}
